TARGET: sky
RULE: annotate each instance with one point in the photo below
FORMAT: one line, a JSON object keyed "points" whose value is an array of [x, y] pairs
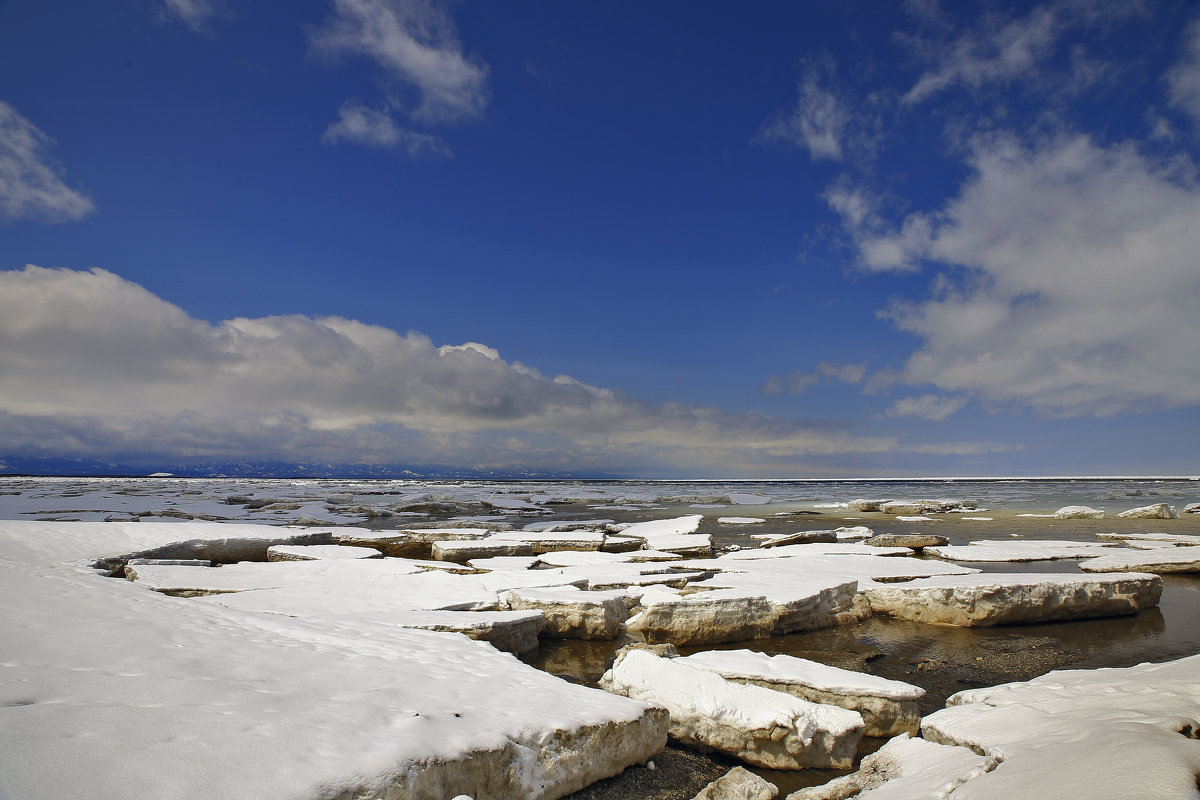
{"points": [[666, 239]]}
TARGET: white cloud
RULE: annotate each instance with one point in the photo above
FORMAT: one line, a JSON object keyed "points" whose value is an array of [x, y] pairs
{"points": [[1002, 50], [1183, 79], [1074, 283], [31, 186], [818, 122], [797, 382], [195, 13], [94, 365], [363, 125], [415, 41], [927, 406], [999, 51]]}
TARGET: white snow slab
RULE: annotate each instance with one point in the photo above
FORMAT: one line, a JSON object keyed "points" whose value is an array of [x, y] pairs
{"points": [[816, 549], [110, 691], [550, 541], [684, 544], [414, 543], [1155, 511], [503, 563], [1007, 550], [464, 551], [250, 575], [746, 605], [739, 520], [318, 552], [887, 707], [1181, 539], [1158, 560], [907, 769], [1124, 734], [1013, 598], [664, 527], [1079, 512], [576, 558], [209, 541], [574, 614], [609, 576], [800, 537], [757, 725], [853, 532]]}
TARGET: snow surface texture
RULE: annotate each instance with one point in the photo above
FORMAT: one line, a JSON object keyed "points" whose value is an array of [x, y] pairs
{"points": [[1160, 561], [1123, 734], [908, 769], [760, 726], [1007, 599], [887, 707], [1002, 550], [738, 784], [111, 691]]}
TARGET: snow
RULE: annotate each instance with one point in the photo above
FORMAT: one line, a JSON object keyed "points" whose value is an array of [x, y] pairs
{"points": [[315, 552], [1128, 733], [1014, 598], [664, 527], [758, 725], [112, 691], [788, 669], [1004, 550], [1158, 560], [907, 769], [739, 520]]}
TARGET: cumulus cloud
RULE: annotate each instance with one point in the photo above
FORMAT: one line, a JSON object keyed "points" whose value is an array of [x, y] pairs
{"points": [[415, 42], [94, 365], [797, 382], [369, 126], [31, 186], [1070, 282], [818, 121]]}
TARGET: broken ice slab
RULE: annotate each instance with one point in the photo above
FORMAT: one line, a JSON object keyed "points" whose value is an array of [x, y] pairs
{"points": [[1014, 598], [887, 707], [757, 725]]}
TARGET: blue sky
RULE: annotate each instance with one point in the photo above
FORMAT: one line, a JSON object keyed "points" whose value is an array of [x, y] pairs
{"points": [[683, 239]]}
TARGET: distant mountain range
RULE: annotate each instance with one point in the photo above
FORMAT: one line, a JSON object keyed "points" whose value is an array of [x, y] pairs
{"points": [[89, 467]]}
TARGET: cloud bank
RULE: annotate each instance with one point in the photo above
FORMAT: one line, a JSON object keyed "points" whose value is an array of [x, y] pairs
{"points": [[1070, 283], [94, 365]]}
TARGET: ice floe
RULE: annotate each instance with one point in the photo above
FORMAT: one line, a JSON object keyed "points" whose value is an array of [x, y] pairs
{"points": [[1158, 560], [757, 725], [1123, 734], [1030, 550], [1011, 598], [1079, 512], [887, 707], [1155, 511], [906, 769], [572, 613], [113, 691]]}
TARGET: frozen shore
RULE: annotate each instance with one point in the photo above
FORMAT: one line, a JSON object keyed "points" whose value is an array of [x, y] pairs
{"points": [[290, 669]]}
